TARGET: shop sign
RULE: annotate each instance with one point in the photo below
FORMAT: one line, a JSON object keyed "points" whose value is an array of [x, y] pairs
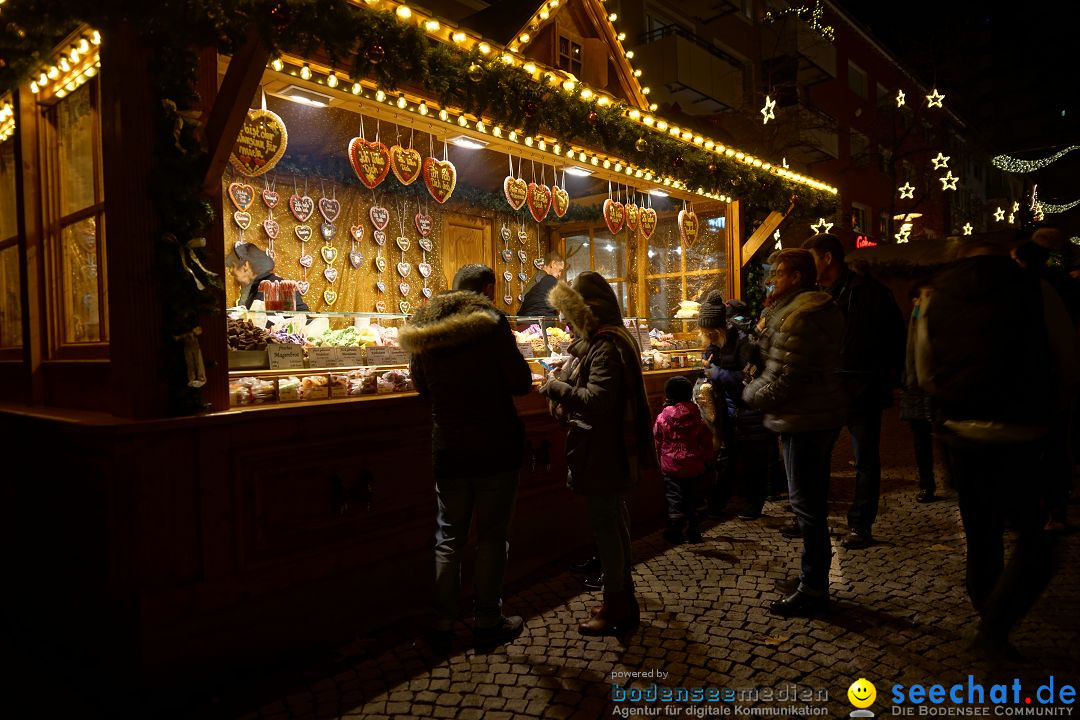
{"points": [[381, 355], [285, 356]]}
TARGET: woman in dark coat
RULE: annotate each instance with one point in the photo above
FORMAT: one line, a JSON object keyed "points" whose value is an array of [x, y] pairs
{"points": [[600, 395]]}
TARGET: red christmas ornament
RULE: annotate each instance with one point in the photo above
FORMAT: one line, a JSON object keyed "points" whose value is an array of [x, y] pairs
{"points": [[375, 54]]}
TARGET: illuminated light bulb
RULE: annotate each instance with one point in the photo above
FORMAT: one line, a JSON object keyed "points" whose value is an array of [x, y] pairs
{"points": [[443, 115], [661, 126], [604, 101], [331, 80], [61, 93], [729, 152], [618, 167], [766, 166], [43, 79], [53, 72], [483, 47], [529, 68], [594, 160], [402, 102], [512, 136], [404, 12], [305, 72], [356, 88], [459, 37], [709, 144], [524, 38], [687, 135], [719, 148], [544, 14], [95, 37], [637, 73], [570, 153], [71, 86], [629, 171], [553, 4], [653, 107], [586, 94], [634, 114], [542, 145], [698, 139], [278, 64], [508, 58], [629, 54], [90, 71], [648, 120], [648, 175], [496, 131], [581, 156], [674, 132], [529, 141], [757, 163], [380, 95], [568, 85], [462, 121], [34, 88], [622, 36], [84, 45], [556, 148], [480, 126], [431, 25], [74, 54], [607, 164], [645, 91], [613, 17]]}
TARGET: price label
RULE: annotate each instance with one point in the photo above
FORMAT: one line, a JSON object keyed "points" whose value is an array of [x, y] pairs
{"points": [[525, 349], [285, 356], [351, 357], [378, 355], [324, 357]]}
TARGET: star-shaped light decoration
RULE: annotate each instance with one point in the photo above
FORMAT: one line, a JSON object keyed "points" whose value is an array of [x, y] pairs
{"points": [[907, 190], [967, 228], [904, 235], [999, 215], [767, 111], [783, 161], [1016, 207], [822, 226], [941, 161], [934, 99], [948, 182], [779, 245], [1012, 218], [900, 98]]}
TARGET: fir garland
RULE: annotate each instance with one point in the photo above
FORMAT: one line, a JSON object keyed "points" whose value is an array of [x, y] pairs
{"points": [[365, 43]]}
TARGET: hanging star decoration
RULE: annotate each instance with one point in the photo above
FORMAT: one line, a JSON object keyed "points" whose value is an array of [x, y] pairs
{"points": [[967, 228], [1012, 218], [934, 99], [1016, 207], [999, 214], [783, 161], [948, 182], [822, 226], [907, 190], [941, 161], [900, 98], [904, 235], [767, 111], [779, 245]]}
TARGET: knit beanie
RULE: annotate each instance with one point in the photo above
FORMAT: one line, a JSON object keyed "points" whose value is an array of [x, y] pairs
{"points": [[679, 389], [712, 315]]}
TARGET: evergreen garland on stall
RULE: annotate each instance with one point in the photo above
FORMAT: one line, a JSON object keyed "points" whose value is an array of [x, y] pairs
{"points": [[363, 43]]}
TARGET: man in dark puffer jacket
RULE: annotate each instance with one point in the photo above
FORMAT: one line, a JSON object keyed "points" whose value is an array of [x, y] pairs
{"points": [[465, 360], [800, 394]]}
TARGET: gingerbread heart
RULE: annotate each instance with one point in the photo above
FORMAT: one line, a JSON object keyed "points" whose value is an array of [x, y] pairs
{"points": [[507, 255], [243, 219], [355, 258], [329, 296], [404, 288], [329, 208], [538, 263], [427, 292], [424, 269], [270, 198], [688, 227], [272, 228], [370, 161], [560, 200], [647, 222], [539, 200], [505, 233], [631, 216], [523, 237], [523, 256], [380, 286], [403, 269], [260, 143], [507, 275], [242, 195], [379, 237], [303, 286], [508, 299], [301, 206], [328, 231], [270, 253], [423, 223], [303, 232], [357, 231], [306, 261], [425, 244], [516, 191], [380, 306], [380, 216], [522, 277], [330, 273], [521, 297], [402, 243], [329, 254], [380, 264], [440, 176], [404, 306], [405, 162], [614, 215]]}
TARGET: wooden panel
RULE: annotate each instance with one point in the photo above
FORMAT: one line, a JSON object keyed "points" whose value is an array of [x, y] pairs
{"points": [[466, 239]]}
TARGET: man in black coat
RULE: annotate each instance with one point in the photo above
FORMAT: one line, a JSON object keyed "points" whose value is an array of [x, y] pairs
{"points": [[535, 302], [872, 360], [465, 361]]}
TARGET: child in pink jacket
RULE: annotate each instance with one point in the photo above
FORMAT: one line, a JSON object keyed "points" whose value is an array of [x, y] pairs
{"points": [[684, 444]]}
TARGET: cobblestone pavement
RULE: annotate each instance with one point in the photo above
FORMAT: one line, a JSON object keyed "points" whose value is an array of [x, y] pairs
{"points": [[900, 616]]}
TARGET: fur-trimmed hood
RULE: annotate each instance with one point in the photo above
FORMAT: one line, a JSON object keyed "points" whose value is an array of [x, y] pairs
{"points": [[804, 302], [449, 320], [587, 305]]}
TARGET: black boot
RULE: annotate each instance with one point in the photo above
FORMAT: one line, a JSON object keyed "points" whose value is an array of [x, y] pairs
{"points": [[674, 532]]}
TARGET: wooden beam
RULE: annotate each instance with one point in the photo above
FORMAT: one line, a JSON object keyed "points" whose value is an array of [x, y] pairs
{"points": [[231, 106], [761, 235], [733, 252]]}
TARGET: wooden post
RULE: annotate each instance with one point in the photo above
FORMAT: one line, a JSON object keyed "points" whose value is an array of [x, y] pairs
{"points": [[31, 249], [733, 253]]}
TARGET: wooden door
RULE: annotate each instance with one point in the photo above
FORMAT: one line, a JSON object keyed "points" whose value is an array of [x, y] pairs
{"points": [[466, 239]]}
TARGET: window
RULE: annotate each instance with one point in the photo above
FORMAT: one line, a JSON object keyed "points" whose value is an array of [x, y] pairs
{"points": [[10, 285], [75, 206], [857, 80], [595, 249], [674, 273], [859, 216], [570, 55]]}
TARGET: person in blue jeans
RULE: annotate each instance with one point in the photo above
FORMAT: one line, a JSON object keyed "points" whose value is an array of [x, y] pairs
{"points": [[798, 391], [465, 361]]}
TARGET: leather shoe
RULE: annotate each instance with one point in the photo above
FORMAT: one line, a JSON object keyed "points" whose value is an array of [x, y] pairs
{"points": [[791, 530], [800, 604], [506, 630], [857, 540], [586, 567], [788, 585], [595, 582], [925, 496]]}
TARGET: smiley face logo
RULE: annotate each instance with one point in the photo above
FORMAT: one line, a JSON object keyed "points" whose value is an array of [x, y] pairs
{"points": [[862, 693]]}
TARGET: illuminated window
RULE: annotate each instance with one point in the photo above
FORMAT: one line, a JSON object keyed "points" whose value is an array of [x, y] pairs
{"points": [[570, 55]]}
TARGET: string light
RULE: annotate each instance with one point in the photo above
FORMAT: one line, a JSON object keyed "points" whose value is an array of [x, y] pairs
{"points": [[967, 228], [821, 226], [900, 98], [1052, 208], [1016, 165]]}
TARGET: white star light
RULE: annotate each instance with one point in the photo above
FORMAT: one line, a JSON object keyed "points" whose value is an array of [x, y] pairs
{"points": [[821, 226], [934, 99], [941, 161], [783, 161], [907, 190], [1016, 207], [1012, 218], [767, 111], [968, 228], [999, 215], [900, 98], [948, 182], [904, 235]]}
